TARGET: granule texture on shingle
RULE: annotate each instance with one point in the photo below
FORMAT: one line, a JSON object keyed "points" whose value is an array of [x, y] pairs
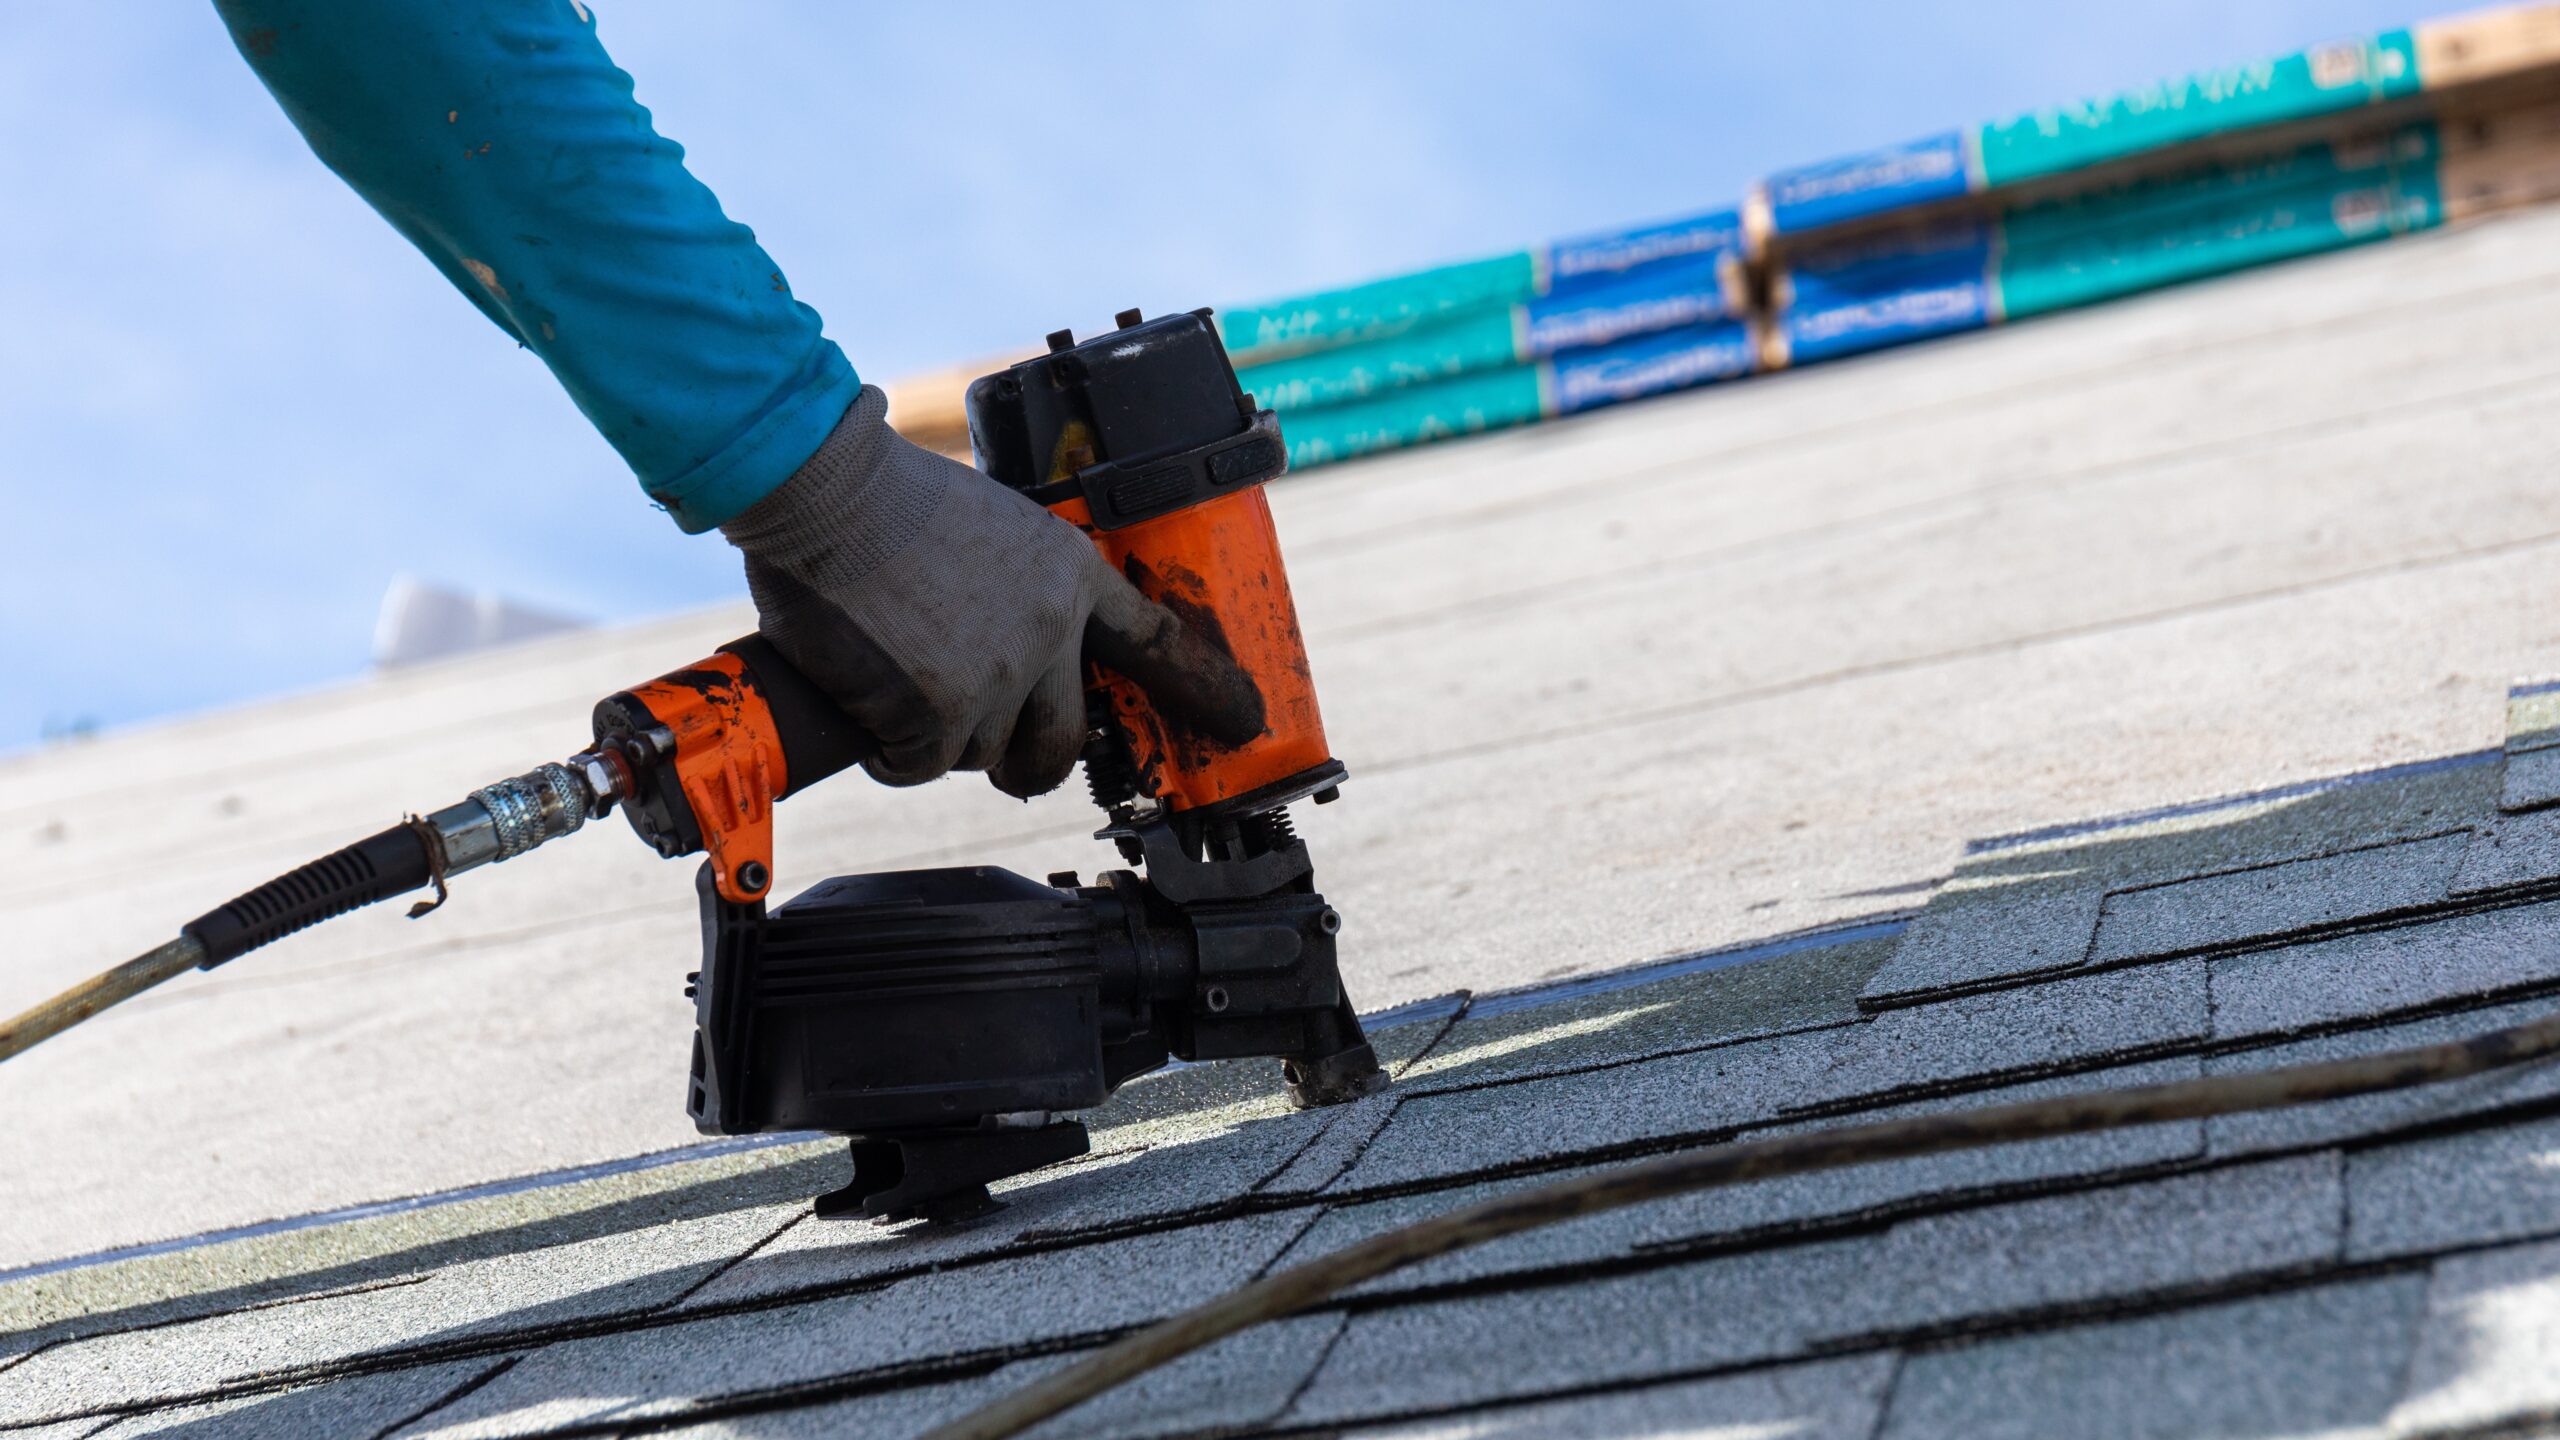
{"points": [[1777, 995], [1462, 1133], [1241, 1381], [1022, 1300], [2475, 1187], [898, 1411], [358, 1405], [2533, 780], [2308, 1362], [1769, 1207], [608, 1275], [80, 1429], [1215, 1134], [1193, 1141], [304, 1263], [1821, 1400], [2068, 1022], [2270, 900], [1334, 1149], [1967, 938], [1865, 1189], [2328, 1122], [1760, 1305], [2272, 993], [824, 1254], [2118, 1241], [2511, 850], [2485, 1352]]}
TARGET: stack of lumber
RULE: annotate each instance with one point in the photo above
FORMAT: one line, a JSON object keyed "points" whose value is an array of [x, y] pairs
{"points": [[2338, 145], [2335, 146], [1519, 337]]}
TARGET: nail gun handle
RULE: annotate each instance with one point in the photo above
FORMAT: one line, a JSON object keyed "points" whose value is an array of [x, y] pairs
{"points": [[818, 738], [713, 746]]}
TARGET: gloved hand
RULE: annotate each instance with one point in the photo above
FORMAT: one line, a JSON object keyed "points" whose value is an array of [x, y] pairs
{"points": [[950, 616]]}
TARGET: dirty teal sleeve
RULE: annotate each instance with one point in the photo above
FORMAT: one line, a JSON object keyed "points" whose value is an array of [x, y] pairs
{"points": [[498, 137]]}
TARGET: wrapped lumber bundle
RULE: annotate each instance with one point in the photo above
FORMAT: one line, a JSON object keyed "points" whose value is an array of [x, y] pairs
{"points": [[1572, 380], [1965, 271], [2437, 59], [1502, 285], [1539, 333], [2334, 146]]}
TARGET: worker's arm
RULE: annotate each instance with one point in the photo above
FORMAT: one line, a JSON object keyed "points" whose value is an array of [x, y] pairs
{"points": [[498, 137], [946, 613]]}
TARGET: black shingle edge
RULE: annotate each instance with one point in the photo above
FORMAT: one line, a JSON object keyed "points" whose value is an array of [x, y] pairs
{"points": [[2454, 907], [2203, 1048], [1935, 1337], [486, 1190]]}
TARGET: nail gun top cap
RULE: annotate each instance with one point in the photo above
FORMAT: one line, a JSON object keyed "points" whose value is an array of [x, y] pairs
{"points": [[1140, 422]]}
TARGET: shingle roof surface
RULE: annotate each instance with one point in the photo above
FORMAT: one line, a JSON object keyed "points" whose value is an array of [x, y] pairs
{"points": [[1850, 689]]}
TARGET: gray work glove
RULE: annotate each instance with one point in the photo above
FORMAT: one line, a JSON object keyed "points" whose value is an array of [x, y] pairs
{"points": [[950, 616]]}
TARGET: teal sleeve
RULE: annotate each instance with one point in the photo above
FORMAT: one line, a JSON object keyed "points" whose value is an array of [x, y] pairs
{"points": [[498, 137]]}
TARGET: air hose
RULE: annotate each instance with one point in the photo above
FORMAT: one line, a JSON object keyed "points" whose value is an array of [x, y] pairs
{"points": [[1299, 1287], [497, 822]]}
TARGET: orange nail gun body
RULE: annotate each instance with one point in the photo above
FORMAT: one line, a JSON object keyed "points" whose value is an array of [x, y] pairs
{"points": [[942, 1018]]}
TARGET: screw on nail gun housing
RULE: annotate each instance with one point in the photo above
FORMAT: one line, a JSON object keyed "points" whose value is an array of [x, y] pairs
{"points": [[942, 1019]]}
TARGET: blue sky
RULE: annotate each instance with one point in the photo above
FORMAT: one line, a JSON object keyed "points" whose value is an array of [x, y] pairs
{"points": [[233, 405]]}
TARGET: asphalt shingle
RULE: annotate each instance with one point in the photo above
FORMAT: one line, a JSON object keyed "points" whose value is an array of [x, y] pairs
{"points": [[2298, 1126], [2121, 1241], [2513, 850], [303, 1262], [2384, 972], [2268, 900], [2484, 1354], [2067, 1023], [359, 1405], [1332, 1151], [825, 1255], [62, 1430], [2322, 1362], [1797, 989], [2532, 780], [2071, 1022], [1775, 1207], [526, 1292], [1764, 1305], [1971, 937], [1027, 1299], [1239, 1382], [2471, 1188]]}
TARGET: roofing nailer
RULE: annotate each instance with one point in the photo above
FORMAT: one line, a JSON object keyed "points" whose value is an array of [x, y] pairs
{"points": [[943, 1019]]}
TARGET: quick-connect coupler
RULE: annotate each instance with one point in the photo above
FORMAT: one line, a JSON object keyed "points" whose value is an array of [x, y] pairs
{"points": [[498, 822], [506, 819]]}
